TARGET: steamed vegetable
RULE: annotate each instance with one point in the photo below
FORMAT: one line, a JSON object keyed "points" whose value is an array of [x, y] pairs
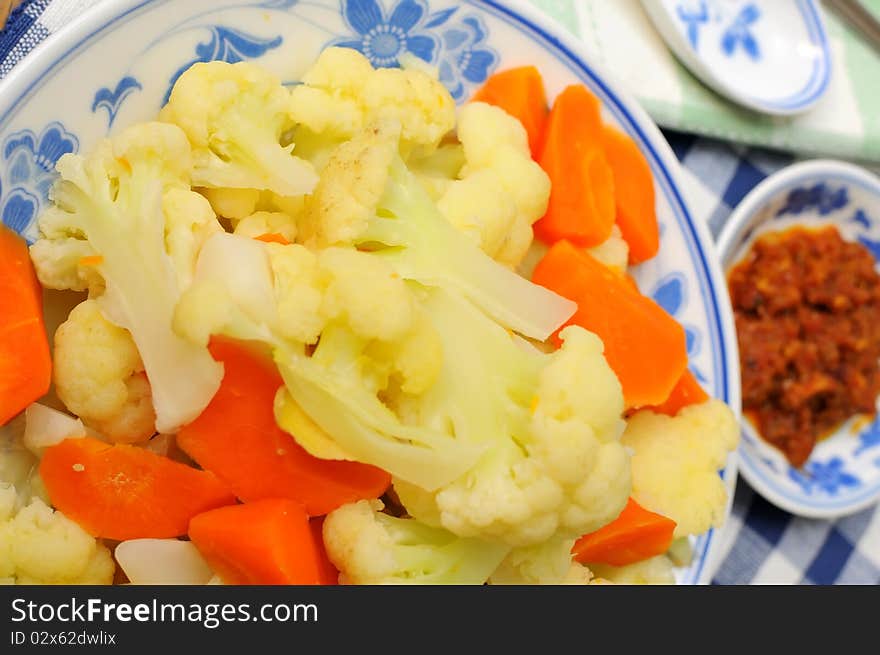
{"points": [[635, 535], [676, 462], [236, 117], [237, 438], [45, 427], [25, 365], [41, 546], [643, 344], [162, 561], [499, 191], [582, 208], [342, 94], [123, 492], [371, 547], [548, 563], [99, 376], [112, 204], [266, 542], [287, 297], [398, 221], [636, 214], [519, 92], [549, 424], [687, 391]]}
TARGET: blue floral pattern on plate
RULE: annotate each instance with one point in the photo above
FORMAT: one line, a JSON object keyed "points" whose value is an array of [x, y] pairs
{"points": [[28, 173], [453, 41], [112, 100], [826, 477], [671, 294]]}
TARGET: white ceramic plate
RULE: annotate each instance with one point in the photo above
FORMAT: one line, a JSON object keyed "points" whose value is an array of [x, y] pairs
{"points": [[842, 475], [772, 56], [115, 65]]}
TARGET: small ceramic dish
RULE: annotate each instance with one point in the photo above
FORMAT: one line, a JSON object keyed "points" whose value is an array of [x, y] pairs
{"points": [[842, 475], [772, 57]]}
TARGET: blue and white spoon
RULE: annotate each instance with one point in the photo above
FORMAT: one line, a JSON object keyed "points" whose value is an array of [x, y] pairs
{"points": [[772, 56]]}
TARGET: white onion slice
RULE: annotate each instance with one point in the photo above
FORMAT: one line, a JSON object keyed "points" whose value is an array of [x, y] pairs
{"points": [[162, 562]]}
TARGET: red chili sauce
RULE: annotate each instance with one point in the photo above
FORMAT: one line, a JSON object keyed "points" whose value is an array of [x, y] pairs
{"points": [[807, 309]]}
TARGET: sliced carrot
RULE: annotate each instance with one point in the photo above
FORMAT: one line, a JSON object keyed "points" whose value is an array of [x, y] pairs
{"points": [[91, 260], [25, 362], [581, 205], [327, 573], [520, 92], [268, 542], [273, 237], [124, 492], [636, 213], [687, 391], [635, 535], [237, 438], [644, 345]]}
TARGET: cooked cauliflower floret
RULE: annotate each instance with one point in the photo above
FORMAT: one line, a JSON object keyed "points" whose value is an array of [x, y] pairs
{"points": [[502, 191], [236, 117], [189, 221], [350, 187], [342, 94], [613, 252], [41, 546], [369, 547], [99, 376], [676, 462], [548, 563], [654, 571], [234, 204]]}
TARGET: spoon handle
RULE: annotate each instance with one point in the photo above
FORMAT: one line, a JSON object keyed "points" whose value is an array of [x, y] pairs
{"points": [[860, 18]]}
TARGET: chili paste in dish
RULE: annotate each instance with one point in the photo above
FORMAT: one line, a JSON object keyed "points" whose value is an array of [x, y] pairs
{"points": [[807, 310]]}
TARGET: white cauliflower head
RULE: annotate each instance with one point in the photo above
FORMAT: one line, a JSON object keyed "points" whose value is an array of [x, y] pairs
{"points": [[236, 117], [676, 462], [41, 546], [100, 377], [502, 191], [554, 466], [370, 547], [342, 94], [115, 201]]}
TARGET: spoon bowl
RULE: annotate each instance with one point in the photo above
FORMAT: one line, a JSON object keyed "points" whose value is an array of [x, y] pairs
{"points": [[771, 57]]}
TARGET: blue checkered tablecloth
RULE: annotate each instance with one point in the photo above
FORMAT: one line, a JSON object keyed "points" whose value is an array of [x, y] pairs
{"points": [[762, 544]]}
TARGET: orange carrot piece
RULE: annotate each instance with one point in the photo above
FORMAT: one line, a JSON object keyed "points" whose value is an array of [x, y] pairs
{"points": [[581, 205], [520, 92], [273, 237], [636, 214], [124, 492], [327, 573], [635, 535], [267, 542], [237, 438], [687, 391], [25, 362], [644, 345], [91, 260]]}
